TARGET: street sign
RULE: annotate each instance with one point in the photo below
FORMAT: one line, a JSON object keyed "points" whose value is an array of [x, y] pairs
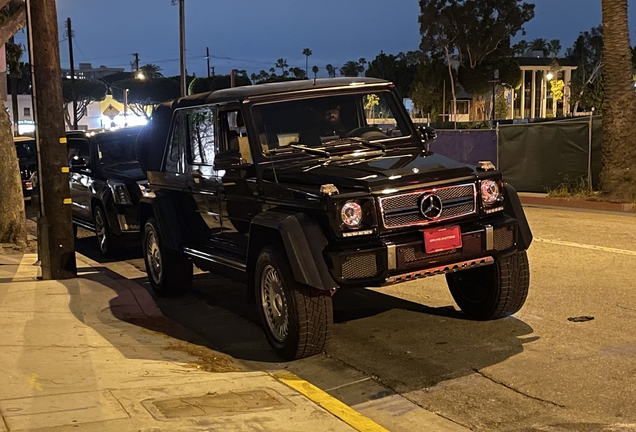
{"points": [[111, 112]]}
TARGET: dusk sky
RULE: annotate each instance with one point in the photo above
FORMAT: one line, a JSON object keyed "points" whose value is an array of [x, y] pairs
{"points": [[253, 34]]}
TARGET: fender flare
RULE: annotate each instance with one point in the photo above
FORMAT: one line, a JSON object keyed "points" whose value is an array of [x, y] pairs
{"points": [[303, 241], [513, 208]]}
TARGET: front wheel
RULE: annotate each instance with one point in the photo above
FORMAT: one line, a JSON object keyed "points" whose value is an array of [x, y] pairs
{"points": [[169, 271], [297, 319], [494, 291], [105, 238]]}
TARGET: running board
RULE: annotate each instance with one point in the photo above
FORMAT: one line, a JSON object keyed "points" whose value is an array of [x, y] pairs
{"points": [[85, 225], [215, 259], [448, 268]]}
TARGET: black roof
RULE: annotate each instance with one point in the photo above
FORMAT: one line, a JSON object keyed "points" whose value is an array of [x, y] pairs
{"points": [[244, 92], [544, 61]]}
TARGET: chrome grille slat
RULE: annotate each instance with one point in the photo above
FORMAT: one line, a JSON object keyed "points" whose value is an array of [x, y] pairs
{"points": [[403, 210]]}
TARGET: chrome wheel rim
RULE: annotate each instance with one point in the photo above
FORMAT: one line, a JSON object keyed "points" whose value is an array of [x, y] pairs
{"points": [[274, 303], [100, 229], [153, 257]]}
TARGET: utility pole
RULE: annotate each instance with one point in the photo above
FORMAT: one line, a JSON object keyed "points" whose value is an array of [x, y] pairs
{"points": [[70, 53], [207, 56], [56, 242], [212, 70], [136, 61], [182, 46]]}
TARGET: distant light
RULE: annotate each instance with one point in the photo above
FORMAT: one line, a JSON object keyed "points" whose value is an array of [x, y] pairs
{"points": [[141, 76], [550, 76]]}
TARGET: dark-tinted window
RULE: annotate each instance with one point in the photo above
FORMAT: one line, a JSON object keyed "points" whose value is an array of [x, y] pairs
{"points": [[116, 147], [26, 149], [201, 129]]}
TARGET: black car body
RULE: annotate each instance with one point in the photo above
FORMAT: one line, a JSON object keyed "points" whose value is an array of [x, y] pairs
{"points": [[106, 185], [301, 190], [27, 157]]}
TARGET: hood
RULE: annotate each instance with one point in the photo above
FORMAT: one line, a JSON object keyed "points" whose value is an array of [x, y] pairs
{"points": [[128, 171], [388, 171]]}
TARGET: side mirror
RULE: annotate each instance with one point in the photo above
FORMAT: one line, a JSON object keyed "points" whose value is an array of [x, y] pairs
{"points": [[77, 162], [229, 159], [427, 133]]}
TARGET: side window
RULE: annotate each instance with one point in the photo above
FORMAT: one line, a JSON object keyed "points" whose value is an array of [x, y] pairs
{"points": [[77, 149], [235, 134], [176, 143], [202, 141]]}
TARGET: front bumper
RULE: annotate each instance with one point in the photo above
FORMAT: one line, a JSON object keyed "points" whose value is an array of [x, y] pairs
{"points": [[398, 258]]}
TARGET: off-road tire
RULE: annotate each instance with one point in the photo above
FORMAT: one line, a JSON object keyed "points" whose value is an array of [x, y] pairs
{"points": [[169, 271], [494, 291], [309, 311], [106, 241]]}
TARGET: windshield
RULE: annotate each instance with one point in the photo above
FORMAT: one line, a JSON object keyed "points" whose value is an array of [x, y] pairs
{"points": [[117, 148], [26, 149], [316, 122]]}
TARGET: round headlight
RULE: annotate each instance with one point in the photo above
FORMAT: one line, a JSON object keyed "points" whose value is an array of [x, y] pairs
{"points": [[351, 214], [490, 193]]}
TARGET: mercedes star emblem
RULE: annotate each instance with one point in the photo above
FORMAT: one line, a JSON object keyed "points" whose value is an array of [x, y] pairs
{"points": [[431, 206]]}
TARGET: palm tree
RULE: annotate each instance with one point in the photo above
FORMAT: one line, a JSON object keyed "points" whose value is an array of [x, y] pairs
{"points": [[351, 69], [520, 48], [282, 64], [618, 176], [151, 71], [362, 62], [307, 52], [554, 46], [315, 70], [539, 44], [331, 71]]}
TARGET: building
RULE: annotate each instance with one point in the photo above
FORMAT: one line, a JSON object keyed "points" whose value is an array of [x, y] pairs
{"points": [[87, 71]]}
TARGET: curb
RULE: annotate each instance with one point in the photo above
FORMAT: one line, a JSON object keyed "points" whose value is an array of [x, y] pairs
{"points": [[543, 201]]}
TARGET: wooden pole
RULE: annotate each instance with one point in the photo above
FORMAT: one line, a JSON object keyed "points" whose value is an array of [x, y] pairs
{"points": [[182, 45], [70, 53], [55, 230]]}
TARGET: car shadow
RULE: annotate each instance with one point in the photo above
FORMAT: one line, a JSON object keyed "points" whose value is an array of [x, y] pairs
{"points": [[86, 244]]}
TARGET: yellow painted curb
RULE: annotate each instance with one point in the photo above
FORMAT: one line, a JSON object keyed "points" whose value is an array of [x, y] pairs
{"points": [[328, 402]]}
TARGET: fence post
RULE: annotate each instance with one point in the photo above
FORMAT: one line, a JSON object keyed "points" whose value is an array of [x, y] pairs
{"points": [[589, 152]]}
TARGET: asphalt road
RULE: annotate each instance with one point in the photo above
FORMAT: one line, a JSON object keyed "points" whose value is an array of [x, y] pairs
{"points": [[534, 371]]}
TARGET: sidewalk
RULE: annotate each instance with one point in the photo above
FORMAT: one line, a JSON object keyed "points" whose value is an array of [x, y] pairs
{"points": [[95, 354], [542, 200]]}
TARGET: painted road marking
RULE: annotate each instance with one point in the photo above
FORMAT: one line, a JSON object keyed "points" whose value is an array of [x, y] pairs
{"points": [[344, 412], [587, 246]]}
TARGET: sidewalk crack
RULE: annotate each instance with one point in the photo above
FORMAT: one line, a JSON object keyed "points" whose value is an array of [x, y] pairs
{"points": [[501, 383]]}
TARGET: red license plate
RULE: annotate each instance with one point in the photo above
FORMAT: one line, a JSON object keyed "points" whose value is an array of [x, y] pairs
{"points": [[442, 239]]}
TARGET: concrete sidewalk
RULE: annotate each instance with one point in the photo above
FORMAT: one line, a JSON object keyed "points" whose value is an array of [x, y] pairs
{"points": [[542, 200], [96, 354]]}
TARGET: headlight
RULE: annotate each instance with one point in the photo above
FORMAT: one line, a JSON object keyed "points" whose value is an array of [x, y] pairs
{"points": [[120, 193], [351, 214], [490, 193]]}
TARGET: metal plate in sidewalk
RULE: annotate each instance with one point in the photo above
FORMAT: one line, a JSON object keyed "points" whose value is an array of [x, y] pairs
{"points": [[215, 404]]}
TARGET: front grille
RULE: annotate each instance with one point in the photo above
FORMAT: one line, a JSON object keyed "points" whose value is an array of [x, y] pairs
{"points": [[504, 238], [403, 210], [360, 266], [414, 254]]}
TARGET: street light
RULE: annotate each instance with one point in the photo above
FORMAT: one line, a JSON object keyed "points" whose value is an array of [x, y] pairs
{"points": [[141, 76], [549, 76]]}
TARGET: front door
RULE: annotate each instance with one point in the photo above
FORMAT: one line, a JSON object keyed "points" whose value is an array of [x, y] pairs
{"points": [[79, 160]]}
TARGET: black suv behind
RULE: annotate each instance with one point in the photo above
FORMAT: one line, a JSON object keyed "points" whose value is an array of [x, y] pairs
{"points": [[106, 185], [303, 188], [27, 157]]}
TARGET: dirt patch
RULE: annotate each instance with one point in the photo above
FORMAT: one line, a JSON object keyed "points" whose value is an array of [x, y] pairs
{"points": [[209, 360]]}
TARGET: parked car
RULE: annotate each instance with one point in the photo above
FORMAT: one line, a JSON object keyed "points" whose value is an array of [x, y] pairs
{"points": [[290, 187], [27, 158], [106, 184]]}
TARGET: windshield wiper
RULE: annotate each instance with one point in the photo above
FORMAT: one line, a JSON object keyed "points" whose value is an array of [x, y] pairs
{"points": [[356, 139], [316, 151]]}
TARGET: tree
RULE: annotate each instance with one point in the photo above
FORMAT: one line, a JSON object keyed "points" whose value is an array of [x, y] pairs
{"points": [[86, 92], [217, 82], [331, 71], [307, 52], [315, 70], [351, 69], [145, 95], [282, 65], [12, 215], [400, 69], [362, 62], [554, 48], [427, 89], [298, 73], [151, 71], [618, 176], [539, 44], [520, 48], [587, 53]]}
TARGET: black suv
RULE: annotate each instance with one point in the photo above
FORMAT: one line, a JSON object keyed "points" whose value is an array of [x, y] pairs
{"points": [[106, 184], [27, 157], [306, 187]]}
